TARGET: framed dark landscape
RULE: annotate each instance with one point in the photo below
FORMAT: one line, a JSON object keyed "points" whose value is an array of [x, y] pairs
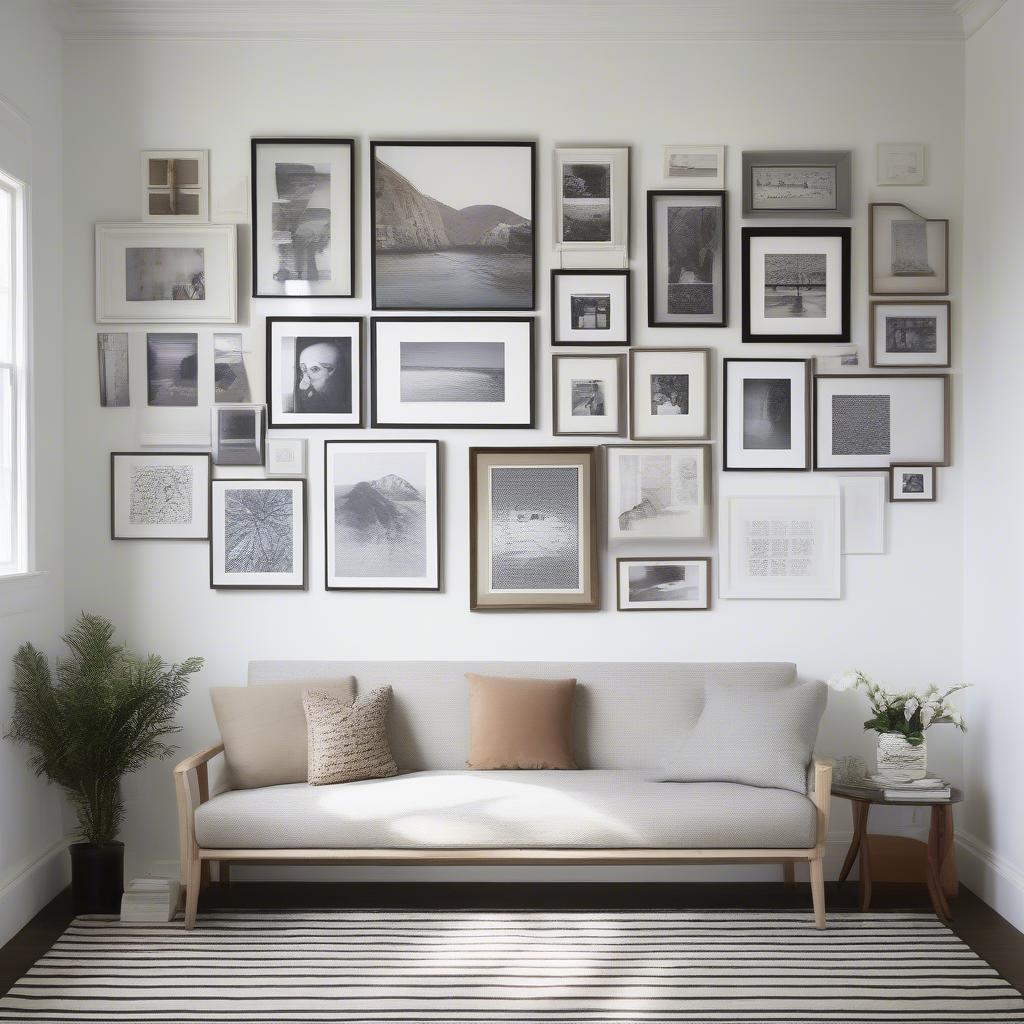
{"points": [[909, 481], [590, 307], [663, 584], [910, 334]]}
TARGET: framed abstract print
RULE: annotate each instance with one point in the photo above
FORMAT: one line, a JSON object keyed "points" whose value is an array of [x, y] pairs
{"points": [[910, 481], [668, 394], [589, 395], [695, 166], [910, 334], [159, 496], [175, 185], [663, 584], [796, 183], [590, 307], [907, 254], [592, 198], [238, 434]]}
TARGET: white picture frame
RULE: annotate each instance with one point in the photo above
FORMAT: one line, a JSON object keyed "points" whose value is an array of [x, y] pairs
{"points": [[159, 496], [668, 394], [864, 501], [899, 164], [699, 167], [603, 217], [286, 456], [175, 185]]}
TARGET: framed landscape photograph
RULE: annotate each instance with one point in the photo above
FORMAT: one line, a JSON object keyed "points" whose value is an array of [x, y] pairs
{"points": [[175, 185], [687, 274], [900, 163], [533, 529], [907, 254], [592, 198], [588, 395], [663, 584], [453, 225], [912, 482], [382, 515], [303, 218], [231, 372], [668, 394], [171, 385], [159, 496], [698, 167], [910, 334], [796, 183], [238, 433], [590, 307]]}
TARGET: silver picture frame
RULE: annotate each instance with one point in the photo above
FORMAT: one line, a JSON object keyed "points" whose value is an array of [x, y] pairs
{"points": [[796, 183]]}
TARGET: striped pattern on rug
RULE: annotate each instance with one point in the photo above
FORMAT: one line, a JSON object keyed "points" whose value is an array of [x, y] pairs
{"points": [[361, 967]]}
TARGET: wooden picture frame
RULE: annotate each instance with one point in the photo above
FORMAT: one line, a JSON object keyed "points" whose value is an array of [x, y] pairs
{"points": [[697, 387], [941, 311], [926, 244], [171, 193], [616, 312], [607, 424], [626, 602], [929, 482]]}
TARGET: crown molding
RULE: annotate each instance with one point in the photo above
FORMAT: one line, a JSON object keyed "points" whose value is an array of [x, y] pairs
{"points": [[974, 13]]}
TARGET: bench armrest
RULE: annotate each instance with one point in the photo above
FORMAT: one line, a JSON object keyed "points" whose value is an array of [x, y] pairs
{"points": [[201, 757], [821, 797], [192, 788]]}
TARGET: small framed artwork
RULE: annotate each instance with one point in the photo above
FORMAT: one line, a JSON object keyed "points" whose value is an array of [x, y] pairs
{"points": [[907, 254], [800, 183], [766, 414], [175, 184], [303, 218], [533, 524], [590, 307], [159, 496], [668, 394], [658, 492], [286, 456], [663, 584], [592, 198], [910, 334], [900, 163], [589, 394], [863, 499], [443, 372], [698, 167], [796, 284], [314, 371], [112, 350], [237, 432], [231, 374], [383, 515], [258, 534], [167, 273], [910, 481], [686, 259], [868, 421]]}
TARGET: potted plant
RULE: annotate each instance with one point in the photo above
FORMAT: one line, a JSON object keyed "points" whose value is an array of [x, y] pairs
{"points": [[100, 716]]}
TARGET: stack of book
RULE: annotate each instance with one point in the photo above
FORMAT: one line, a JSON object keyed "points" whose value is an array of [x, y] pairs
{"points": [[911, 790], [150, 900]]}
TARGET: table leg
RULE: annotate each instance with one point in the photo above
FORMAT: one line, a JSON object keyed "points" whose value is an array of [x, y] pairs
{"points": [[860, 820], [949, 878], [864, 865], [934, 865]]}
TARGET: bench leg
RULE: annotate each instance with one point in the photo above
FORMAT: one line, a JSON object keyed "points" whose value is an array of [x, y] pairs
{"points": [[788, 872], [193, 882], [818, 891], [224, 874]]}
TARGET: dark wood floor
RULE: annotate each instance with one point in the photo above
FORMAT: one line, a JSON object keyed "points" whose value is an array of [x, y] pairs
{"points": [[974, 921]]}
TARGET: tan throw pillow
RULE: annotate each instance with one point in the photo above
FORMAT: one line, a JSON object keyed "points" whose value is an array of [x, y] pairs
{"points": [[348, 742], [263, 729], [520, 723]]}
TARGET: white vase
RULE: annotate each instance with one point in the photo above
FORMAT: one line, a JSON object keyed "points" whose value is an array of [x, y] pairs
{"points": [[899, 758]]}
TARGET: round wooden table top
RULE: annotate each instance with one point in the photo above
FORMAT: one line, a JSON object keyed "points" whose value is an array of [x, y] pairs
{"points": [[870, 795]]}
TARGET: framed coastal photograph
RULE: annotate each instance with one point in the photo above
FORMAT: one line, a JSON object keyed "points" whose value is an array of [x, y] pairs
{"points": [[238, 433], [533, 529], [112, 350], [796, 284], [258, 534], [700, 167], [910, 334], [900, 163], [588, 395], [314, 372], [382, 515], [453, 225], [171, 385], [286, 456], [159, 496], [590, 307], [907, 254], [444, 372], [910, 481], [687, 274], [668, 394], [232, 372], [663, 584], [796, 183], [592, 198], [175, 184], [166, 273], [303, 218]]}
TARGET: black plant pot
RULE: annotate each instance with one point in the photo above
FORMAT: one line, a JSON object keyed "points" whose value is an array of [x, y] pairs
{"points": [[97, 878]]}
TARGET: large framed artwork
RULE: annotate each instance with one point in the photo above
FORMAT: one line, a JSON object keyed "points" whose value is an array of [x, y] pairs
{"points": [[588, 395], [910, 334], [533, 529], [663, 584], [907, 254], [592, 198], [453, 225], [590, 307], [159, 496], [796, 183], [303, 218], [668, 394], [444, 372], [382, 515]]}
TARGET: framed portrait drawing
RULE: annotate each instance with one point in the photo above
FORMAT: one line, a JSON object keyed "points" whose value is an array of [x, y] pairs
{"points": [[314, 371], [910, 481], [907, 254], [238, 434], [286, 456], [687, 275], [910, 334], [175, 185], [588, 395], [382, 515], [796, 284], [592, 198], [453, 225], [668, 394], [303, 218], [159, 496], [258, 534], [533, 529], [590, 307], [900, 163], [796, 183], [698, 167], [663, 584]]}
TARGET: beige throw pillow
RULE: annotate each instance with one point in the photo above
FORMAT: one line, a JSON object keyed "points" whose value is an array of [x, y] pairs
{"points": [[348, 742]]}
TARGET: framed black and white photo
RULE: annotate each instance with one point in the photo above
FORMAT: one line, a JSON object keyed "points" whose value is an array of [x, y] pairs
{"points": [[907, 254], [687, 274], [868, 421], [232, 373], [900, 163], [668, 394], [700, 167], [766, 414], [912, 482], [172, 368], [796, 284], [796, 183], [589, 395], [382, 515], [533, 529], [314, 372], [175, 185], [663, 584], [286, 456], [443, 372], [237, 432], [303, 218], [166, 273], [453, 225], [112, 350], [590, 307], [910, 334], [592, 198], [258, 534], [159, 496], [172, 387]]}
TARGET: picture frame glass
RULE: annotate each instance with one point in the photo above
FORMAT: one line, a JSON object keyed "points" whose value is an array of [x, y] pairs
{"points": [[160, 496], [767, 414], [663, 584], [588, 394], [590, 308], [668, 394]]}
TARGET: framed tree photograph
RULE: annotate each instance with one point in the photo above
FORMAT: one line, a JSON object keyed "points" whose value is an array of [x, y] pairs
{"points": [[453, 225], [910, 334], [592, 198], [663, 584], [238, 433], [668, 394], [533, 529], [382, 515], [796, 284], [796, 183], [907, 254], [159, 496], [910, 481], [303, 218], [588, 395], [590, 307], [175, 185]]}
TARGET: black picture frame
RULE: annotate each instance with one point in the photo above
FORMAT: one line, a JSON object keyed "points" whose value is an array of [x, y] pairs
{"points": [[114, 456], [558, 274]]}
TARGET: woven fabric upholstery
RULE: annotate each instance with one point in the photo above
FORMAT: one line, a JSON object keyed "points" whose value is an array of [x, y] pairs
{"points": [[348, 742]]}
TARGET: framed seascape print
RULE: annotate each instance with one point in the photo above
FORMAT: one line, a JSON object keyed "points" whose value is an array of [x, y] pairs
{"points": [[303, 218], [314, 372], [900, 163], [232, 371], [382, 515], [592, 198], [796, 184], [590, 307], [175, 185], [159, 496], [286, 456], [453, 225], [663, 584], [905, 334], [796, 284], [441, 372], [171, 386], [907, 254], [912, 482], [668, 394], [695, 166], [686, 259], [238, 433], [258, 534], [167, 273], [658, 492], [112, 350], [866, 422], [589, 395], [766, 414], [533, 529]]}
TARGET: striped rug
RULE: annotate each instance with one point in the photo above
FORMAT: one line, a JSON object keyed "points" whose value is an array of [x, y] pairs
{"points": [[361, 967]]}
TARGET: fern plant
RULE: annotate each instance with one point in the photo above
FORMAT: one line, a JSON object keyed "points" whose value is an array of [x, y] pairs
{"points": [[101, 715]]}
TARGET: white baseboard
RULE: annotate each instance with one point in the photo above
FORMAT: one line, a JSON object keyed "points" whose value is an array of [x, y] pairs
{"points": [[998, 882], [26, 887]]}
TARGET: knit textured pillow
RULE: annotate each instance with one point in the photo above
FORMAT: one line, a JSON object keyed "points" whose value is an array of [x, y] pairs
{"points": [[348, 742]]}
